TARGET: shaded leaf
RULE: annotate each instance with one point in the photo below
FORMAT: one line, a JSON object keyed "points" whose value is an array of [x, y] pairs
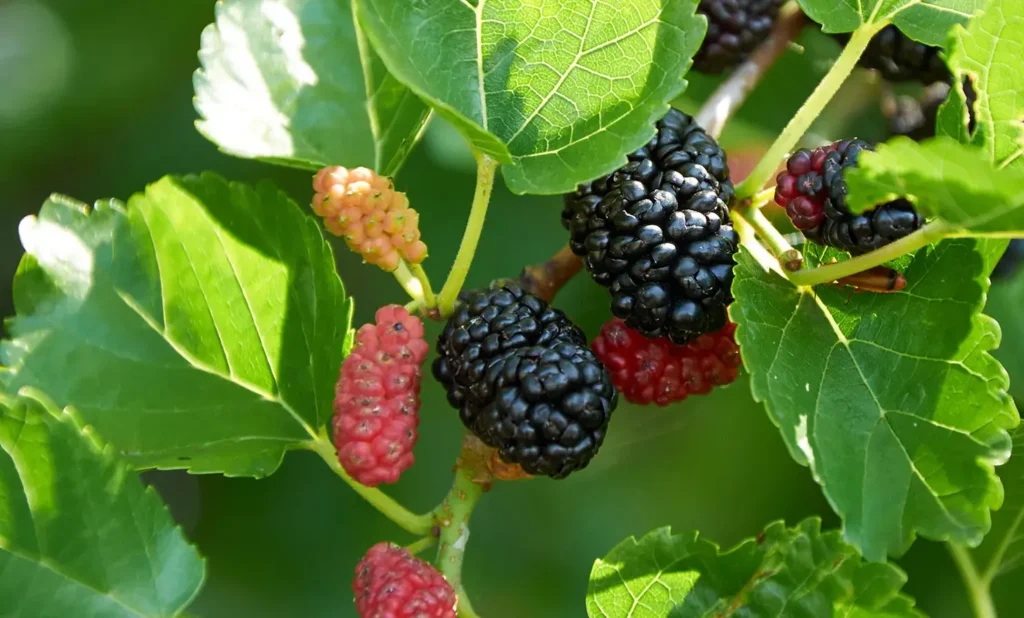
{"points": [[200, 327], [892, 400], [557, 90], [291, 81], [797, 571], [928, 22], [79, 533]]}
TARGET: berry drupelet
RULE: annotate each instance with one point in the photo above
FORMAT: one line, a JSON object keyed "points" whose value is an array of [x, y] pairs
{"points": [[524, 381], [899, 58], [377, 398], [392, 583], [735, 28], [813, 192], [658, 371], [657, 233]]}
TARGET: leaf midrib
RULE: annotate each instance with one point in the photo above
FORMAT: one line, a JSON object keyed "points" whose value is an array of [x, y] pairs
{"points": [[38, 560], [884, 412], [185, 354]]}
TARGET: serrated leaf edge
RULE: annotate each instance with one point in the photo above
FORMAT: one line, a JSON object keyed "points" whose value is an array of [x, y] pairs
{"points": [[104, 451]]}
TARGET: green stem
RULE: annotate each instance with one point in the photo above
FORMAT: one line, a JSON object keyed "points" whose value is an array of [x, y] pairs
{"points": [[388, 506], [748, 238], [409, 282], [453, 517], [775, 240], [810, 110], [428, 290], [421, 545], [485, 171], [935, 231], [762, 197], [977, 588]]}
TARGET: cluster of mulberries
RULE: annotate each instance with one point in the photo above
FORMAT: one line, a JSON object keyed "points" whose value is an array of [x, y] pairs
{"points": [[657, 233], [377, 399], [658, 371], [524, 381], [813, 191], [735, 28], [374, 219], [392, 583]]}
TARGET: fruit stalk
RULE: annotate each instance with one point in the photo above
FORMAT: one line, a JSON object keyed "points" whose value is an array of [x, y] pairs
{"points": [[428, 290], [472, 478], [733, 92], [810, 110], [410, 283], [749, 241], [419, 525], [486, 168], [544, 280]]}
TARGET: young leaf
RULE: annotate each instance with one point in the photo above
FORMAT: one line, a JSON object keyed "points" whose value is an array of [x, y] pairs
{"points": [[892, 400], [292, 82], [943, 178], [989, 52], [79, 533], [927, 22], [200, 327], [559, 90], [797, 571]]}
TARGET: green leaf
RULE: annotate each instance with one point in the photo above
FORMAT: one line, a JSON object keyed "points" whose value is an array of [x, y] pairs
{"points": [[944, 178], [892, 400], [79, 533], [1003, 549], [989, 52], [928, 21], [797, 571], [557, 90], [200, 327], [292, 82]]}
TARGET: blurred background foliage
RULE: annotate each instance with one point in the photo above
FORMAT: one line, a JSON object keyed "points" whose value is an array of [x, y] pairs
{"points": [[95, 101]]}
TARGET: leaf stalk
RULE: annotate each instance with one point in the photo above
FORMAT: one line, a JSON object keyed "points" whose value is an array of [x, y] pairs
{"points": [[810, 110], [978, 589], [486, 168]]}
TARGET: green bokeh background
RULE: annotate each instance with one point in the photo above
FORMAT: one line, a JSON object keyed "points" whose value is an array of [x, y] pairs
{"points": [[95, 101]]}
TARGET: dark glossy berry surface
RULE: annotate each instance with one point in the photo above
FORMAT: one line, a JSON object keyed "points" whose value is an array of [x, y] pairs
{"points": [[657, 233], [899, 58], [813, 191], [735, 28], [524, 381], [549, 410]]}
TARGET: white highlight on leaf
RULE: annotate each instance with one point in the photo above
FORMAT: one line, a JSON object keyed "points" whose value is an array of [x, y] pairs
{"points": [[289, 30], [802, 441], [59, 250]]}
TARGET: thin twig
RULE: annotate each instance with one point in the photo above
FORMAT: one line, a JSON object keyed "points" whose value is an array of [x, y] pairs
{"points": [[734, 91], [546, 279]]}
